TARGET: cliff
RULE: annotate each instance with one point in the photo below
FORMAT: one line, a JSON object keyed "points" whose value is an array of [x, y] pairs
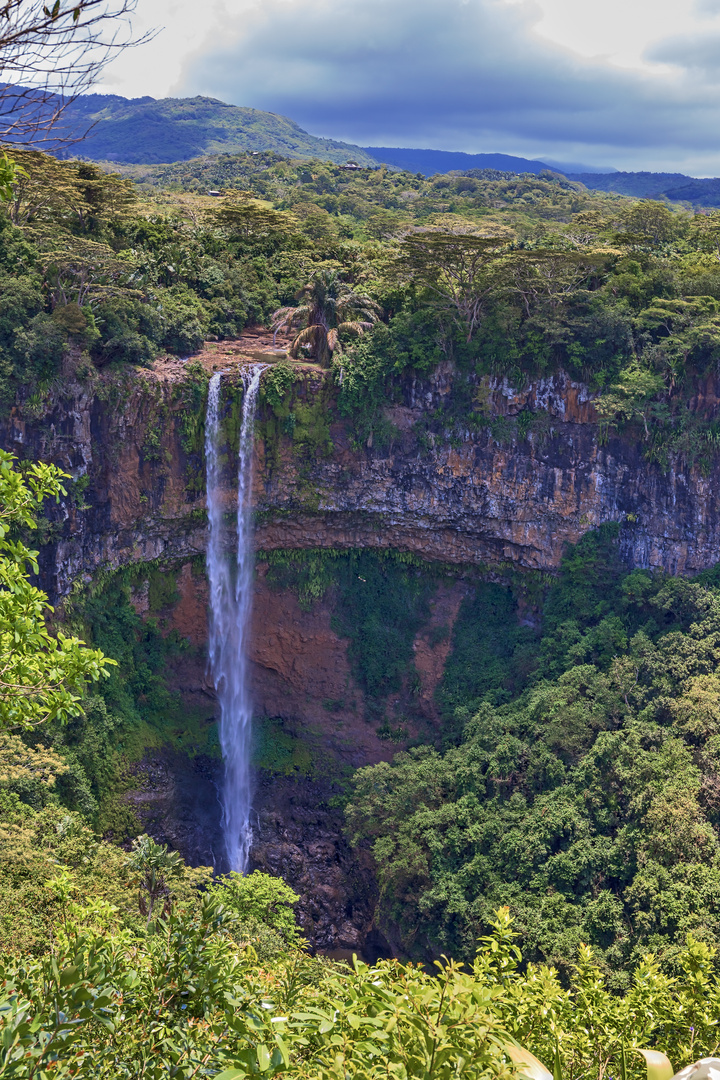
{"points": [[483, 496]]}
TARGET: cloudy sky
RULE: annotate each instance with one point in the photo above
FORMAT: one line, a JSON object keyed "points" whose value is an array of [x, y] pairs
{"points": [[629, 83]]}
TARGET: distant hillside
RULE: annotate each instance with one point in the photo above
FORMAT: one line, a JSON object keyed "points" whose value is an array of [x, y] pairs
{"points": [[648, 185], [698, 192], [149, 131], [644, 185], [429, 162]]}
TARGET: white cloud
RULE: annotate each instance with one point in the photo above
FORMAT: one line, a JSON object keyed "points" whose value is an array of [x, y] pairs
{"points": [[154, 68], [620, 32]]}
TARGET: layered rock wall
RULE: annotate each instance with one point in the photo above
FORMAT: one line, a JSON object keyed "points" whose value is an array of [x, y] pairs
{"points": [[477, 497]]}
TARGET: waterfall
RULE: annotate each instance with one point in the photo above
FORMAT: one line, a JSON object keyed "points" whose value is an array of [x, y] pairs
{"points": [[230, 611]]}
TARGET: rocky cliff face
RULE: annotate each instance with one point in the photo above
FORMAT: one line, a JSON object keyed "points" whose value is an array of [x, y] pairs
{"points": [[488, 496], [478, 498]]}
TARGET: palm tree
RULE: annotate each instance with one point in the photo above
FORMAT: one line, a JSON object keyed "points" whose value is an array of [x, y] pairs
{"points": [[328, 308]]}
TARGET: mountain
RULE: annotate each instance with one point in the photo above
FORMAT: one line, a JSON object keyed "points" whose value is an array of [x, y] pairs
{"points": [[648, 185], [148, 131], [429, 162], [698, 192], [644, 185]]}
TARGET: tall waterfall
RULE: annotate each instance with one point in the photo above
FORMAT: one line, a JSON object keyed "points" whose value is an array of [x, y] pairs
{"points": [[230, 611]]}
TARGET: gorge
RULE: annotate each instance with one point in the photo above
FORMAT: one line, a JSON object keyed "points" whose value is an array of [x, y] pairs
{"points": [[491, 505], [359, 621]]}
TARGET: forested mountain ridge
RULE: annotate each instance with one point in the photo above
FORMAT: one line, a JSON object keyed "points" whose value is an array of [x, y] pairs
{"points": [[676, 187], [432, 162], [148, 130]]}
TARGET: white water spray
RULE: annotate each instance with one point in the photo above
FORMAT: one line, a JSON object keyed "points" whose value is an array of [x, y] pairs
{"points": [[230, 611]]}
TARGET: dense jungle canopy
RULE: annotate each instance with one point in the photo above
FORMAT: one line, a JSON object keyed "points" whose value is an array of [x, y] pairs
{"points": [[502, 274]]}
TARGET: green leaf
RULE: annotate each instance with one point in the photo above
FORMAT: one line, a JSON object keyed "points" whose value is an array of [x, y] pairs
{"points": [[283, 1048], [557, 1063]]}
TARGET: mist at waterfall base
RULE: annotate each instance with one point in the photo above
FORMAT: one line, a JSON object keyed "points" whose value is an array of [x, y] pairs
{"points": [[230, 582]]}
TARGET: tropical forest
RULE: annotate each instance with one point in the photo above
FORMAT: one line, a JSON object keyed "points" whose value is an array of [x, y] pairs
{"points": [[359, 620]]}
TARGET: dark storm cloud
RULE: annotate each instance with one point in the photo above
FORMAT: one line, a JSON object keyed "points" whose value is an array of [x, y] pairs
{"points": [[448, 74]]}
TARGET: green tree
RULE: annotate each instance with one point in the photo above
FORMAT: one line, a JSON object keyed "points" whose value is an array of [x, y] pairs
{"points": [[248, 218], [329, 308], [152, 868], [42, 676], [460, 272], [10, 174], [548, 279], [652, 223], [260, 898], [705, 229], [81, 272], [631, 396]]}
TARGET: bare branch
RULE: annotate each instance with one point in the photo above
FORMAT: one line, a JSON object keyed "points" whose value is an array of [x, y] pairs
{"points": [[51, 54]]}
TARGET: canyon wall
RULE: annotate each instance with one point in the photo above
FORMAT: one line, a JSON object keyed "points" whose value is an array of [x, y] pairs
{"points": [[472, 499]]}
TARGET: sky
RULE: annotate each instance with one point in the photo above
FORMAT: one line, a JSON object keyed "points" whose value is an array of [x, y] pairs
{"points": [[633, 84]]}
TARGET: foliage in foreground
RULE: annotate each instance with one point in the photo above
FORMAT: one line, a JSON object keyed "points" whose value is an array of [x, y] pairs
{"points": [[184, 1000], [42, 675]]}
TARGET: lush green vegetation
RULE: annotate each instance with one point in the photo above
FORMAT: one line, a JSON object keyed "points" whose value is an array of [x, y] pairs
{"points": [[573, 777], [183, 994], [82, 760], [578, 778], [505, 275], [115, 964], [43, 675], [574, 774]]}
